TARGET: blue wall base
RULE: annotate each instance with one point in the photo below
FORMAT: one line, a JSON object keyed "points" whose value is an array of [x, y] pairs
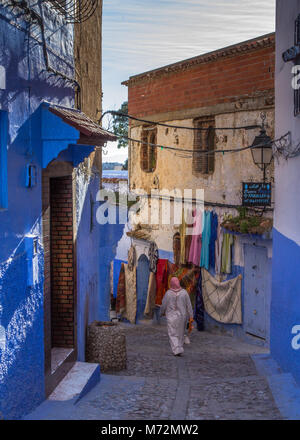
{"points": [[285, 305]]}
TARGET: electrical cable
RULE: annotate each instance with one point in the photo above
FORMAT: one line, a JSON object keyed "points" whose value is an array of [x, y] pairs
{"points": [[206, 203], [204, 152], [125, 115]]}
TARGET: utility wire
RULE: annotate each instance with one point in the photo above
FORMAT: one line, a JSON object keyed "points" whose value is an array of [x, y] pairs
{"points": [[125, 115], [204, 152]]}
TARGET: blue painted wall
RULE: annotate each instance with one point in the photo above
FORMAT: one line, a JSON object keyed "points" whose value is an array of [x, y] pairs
{"points": [[21, 304], [96, 248], [285, 306]]}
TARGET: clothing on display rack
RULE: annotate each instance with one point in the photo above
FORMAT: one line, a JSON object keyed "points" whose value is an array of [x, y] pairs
{"points": [[204, 261], [196, 242]]}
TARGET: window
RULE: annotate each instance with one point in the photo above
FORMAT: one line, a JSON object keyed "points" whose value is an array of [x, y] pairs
{"points": [[204, 140], [148, 152], [3, 159]]}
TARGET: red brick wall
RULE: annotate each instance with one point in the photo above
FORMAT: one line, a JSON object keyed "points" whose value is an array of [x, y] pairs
{"points": [[206, 84], [62, 282]]}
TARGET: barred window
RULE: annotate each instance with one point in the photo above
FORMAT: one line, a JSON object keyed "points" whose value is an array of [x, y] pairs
{"points": [[148, 152], [204, 140]]}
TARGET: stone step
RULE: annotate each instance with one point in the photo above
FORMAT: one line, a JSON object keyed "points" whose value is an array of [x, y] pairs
{"points": [[266, 365], [286, 394], [78, 382], [285, 390]]}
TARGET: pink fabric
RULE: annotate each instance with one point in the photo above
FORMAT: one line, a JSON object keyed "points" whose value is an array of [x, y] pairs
{"points": [[175, 284], [196, 245]]}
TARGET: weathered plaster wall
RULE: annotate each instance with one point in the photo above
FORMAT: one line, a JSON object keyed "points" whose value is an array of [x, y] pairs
{"points": [[87, 241], [285, 312], [225, 184], [27, 84]]}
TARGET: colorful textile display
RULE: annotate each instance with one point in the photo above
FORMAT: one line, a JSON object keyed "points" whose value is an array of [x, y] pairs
{"points": [[213, 238], [161, 281], [153, 257], [151, 295], [196, 243], [199, 305], [188, 280], [218, 247], [222, 300], [131, 298], [131, 258], [226, 253], [204, 261], [121, 292]]}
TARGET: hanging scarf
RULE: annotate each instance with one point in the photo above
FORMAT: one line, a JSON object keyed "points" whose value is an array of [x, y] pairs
{"points": [[131, 299], [199, 305], [161, 281], [131, 258], [213, 238], [153, 257], [182, 230]]}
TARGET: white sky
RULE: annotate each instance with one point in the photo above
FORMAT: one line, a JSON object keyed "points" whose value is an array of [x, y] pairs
{"points": [[140, 35]]}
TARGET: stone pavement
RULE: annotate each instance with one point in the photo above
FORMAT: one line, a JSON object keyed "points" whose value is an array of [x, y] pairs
{"points": [[215, 379]]}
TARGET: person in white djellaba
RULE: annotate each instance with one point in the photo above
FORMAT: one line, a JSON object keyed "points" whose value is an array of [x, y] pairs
{"points": [[177, 307]]}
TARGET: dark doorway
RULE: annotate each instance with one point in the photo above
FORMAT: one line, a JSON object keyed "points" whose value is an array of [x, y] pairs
{"points": [[59, 269], [62, 281]]}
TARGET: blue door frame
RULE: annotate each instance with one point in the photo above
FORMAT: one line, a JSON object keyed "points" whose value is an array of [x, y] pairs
{"points": [[257, 296]]}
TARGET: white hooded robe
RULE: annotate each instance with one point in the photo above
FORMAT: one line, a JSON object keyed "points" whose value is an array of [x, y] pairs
{"points": [[178, 309]]}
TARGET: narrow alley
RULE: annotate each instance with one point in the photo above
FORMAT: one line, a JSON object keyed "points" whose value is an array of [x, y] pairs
{"points": [[215, 379], [149, 193]]}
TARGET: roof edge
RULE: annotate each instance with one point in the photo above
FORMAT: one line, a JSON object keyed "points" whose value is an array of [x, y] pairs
{"points": [[244, 46]]}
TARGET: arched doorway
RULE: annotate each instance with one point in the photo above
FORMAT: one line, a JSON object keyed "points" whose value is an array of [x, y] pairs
{"points": [[142, 281]]}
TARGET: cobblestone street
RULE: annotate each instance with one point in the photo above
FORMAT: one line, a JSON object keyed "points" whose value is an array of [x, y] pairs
{"points": [[215, 379]]}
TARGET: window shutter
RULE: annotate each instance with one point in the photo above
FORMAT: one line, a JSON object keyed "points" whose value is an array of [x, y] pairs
{"points": [[148, 153], [211, 147], [204, 140], [144, 152]]}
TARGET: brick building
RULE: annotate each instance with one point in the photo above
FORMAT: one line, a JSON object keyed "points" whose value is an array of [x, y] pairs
{"points": [[229, 87]]}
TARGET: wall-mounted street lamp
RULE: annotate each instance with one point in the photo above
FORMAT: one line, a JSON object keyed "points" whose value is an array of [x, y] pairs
{"points": [[261, 148]]}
